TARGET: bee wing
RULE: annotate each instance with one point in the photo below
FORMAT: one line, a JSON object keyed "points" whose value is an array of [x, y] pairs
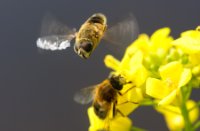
{"points": [[52, 26], [54, 42], [123, 33], [85, 95], [54, 34]]}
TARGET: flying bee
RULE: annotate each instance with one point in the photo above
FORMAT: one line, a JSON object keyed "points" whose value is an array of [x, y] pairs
{"points": [[57, 36], [104, 95], [90, 34]]}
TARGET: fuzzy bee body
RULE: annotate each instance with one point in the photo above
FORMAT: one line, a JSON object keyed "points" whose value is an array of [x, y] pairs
{"points": [[105, 98], [104, 95], [89, 35]]}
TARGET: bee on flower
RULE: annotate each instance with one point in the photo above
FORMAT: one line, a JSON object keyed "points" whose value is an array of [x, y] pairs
{"points": [[110, 98]]}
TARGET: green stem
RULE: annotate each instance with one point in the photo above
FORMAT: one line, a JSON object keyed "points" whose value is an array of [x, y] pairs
{"points": [[185, 114], [184, 111], [147, 102], [137, 129]]}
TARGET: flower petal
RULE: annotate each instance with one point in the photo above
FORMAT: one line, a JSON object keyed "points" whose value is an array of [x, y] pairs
{"points": [[188, 45], [160, 34], [185, 77], [129, 101], [168, 99], [114, 124], [156, 88], [189, 42], [121, 124], [171, 71], [138, 75], [111, 62]]}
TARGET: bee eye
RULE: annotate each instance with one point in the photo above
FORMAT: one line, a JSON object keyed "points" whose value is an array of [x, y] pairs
{"points": [[115, 82], [87, 46]]}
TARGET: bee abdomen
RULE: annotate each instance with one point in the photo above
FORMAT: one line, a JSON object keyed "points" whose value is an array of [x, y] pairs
{"points": [[99, 111], [98, 18]]}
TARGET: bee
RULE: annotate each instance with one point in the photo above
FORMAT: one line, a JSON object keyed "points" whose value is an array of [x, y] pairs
{"points": [[104, 95], [57, 36], [90, 34]]}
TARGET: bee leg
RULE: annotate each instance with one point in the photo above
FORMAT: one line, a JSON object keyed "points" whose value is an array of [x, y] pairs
{"points": [[121, 94], [127, 102], [118, 111], [114, 109]]}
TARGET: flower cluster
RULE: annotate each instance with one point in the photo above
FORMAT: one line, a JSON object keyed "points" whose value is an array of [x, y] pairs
{"points": [[163, 72]]}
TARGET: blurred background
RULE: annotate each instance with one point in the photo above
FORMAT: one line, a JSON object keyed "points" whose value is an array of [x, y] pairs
{"points": [[37, 88]]}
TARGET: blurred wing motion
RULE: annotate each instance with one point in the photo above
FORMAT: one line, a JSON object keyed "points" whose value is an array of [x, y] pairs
{"points": [[123, 33], [85, 95], [54, 42], [54, 34]]}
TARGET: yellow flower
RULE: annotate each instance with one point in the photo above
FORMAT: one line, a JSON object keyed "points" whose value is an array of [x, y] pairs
{"points": [[143, 51], [158, 43], [129, 100], [126, 103], [154, 49], [130, 67], [113, 124], [194, 59], [189, 43], [173, 116], [173, 77], [161, 41]]}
